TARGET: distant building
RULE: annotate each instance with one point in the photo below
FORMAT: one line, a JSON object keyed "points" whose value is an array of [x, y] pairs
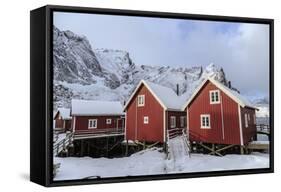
{"points": [[62, 120]]}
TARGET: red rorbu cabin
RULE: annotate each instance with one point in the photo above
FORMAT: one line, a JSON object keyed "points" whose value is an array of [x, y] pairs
{"points": [[151, 110], [62, 120], [219, 115], [92, 119]]}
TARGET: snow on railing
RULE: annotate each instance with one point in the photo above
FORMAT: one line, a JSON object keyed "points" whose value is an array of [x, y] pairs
{"points": [[263, 128], [98, 133], [63, 143]]}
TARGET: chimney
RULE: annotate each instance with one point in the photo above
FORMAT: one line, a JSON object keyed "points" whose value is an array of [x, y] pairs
{"points": [[229, 84], [177, 91]]}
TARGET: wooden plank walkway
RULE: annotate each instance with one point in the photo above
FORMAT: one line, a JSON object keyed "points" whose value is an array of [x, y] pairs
{"points": [[260, 145]]}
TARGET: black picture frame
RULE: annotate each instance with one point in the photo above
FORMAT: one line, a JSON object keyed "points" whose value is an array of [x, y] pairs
{"points": [[41, 94]]}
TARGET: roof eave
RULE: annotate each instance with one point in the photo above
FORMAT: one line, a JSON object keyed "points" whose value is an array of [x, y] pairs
{"points": [[79, 114]]}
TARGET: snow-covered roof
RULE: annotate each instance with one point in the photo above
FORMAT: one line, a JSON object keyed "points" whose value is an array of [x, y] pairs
{"points": [[64, 113], [168, 99], [91, 107], [243, 102]]}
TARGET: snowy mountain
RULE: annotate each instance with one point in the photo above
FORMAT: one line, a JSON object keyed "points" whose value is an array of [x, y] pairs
{"points": [[82, 72]]}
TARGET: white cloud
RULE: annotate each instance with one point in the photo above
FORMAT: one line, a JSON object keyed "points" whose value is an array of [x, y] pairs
{"points": [[241, 49]]}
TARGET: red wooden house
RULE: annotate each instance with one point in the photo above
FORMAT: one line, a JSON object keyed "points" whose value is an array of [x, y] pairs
{"points": [[62, 120], [93, 118], [151, 110], [217, 114]]}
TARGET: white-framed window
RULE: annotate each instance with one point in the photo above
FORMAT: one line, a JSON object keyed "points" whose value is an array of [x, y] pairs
{"points": [[182, 121], [145, 120], [254, 118], [246, 120], [173, 121], [108, 121], [214, 97], [92, 123], [141, 100], [205, 121]]}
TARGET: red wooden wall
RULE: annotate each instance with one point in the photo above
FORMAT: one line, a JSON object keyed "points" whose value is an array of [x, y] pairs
{"points": [[201, 105], [250, 131], [177, 114], [81, 122], [135, 127], [58, 123]]}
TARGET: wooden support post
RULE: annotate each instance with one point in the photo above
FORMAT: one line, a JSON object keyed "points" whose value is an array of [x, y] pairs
{"points": [[246, 149], [241, 150], [213, 149], [88, 149], [143, 145], [126, 151], [210, 149], [82, 148], [106, 146]]}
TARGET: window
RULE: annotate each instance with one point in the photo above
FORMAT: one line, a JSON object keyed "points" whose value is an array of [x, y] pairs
{"points": [[214, 97], [92, 124], [173, 121], [249, 119], [205, 121], [145, 119], [108, 121], [140, 100], [182, 121], [246, 120], [254, 118]]}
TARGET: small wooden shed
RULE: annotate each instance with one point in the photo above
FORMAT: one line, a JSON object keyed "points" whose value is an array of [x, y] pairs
{"points": [[62, 120]]}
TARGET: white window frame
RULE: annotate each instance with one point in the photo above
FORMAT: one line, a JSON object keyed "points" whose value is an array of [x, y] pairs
{"points": [[246, 120], [182, 121], [90, 123], [141, 100], [108, 121], [214, 92], [203, 121], [145, 120], [173, 121]]}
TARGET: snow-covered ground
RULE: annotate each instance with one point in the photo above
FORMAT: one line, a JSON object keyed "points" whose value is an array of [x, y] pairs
{"points": [[153, 161]]}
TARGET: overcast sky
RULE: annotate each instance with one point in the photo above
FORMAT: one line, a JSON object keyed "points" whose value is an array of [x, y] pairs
{"points": [[241, 49]]}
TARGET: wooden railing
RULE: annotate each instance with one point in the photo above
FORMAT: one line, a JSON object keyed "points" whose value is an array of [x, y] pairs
{"points": [[263, 128], [63, 144], [174, 132], [178, 132], [80, 134]]}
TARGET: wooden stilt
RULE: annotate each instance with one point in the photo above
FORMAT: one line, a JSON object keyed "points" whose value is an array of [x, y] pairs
{"points": [[107, 147], [213, 149], [88, 148], [152, 145], [126, 151], [82, 148], [241, 150], [210, 149]]}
